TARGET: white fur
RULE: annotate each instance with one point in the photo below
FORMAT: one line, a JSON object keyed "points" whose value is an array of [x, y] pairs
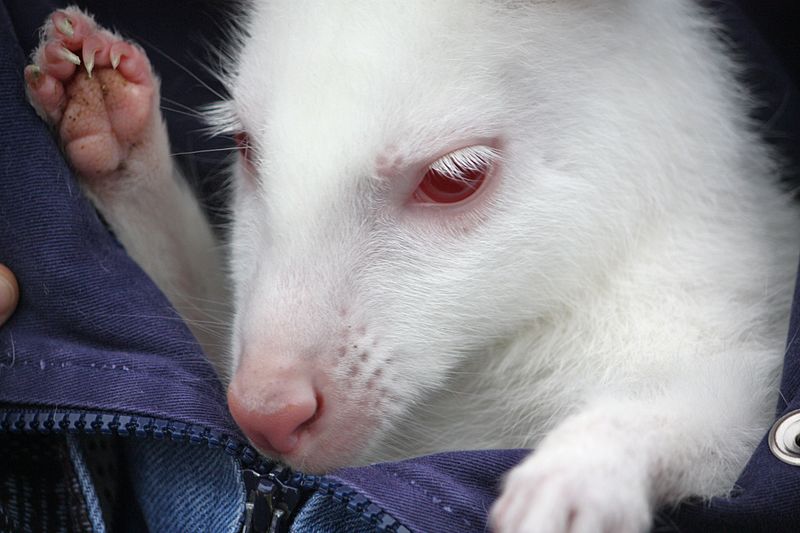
{"points": [[619, 301]]}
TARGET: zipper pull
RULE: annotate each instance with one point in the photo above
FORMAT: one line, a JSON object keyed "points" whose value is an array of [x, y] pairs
{"points": [[271, 500], [257, 512]]}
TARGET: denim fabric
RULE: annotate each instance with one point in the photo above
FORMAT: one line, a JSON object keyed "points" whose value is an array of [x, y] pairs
{"points": [[86, 483], [181, 487], [323, 514], [35, 486]]}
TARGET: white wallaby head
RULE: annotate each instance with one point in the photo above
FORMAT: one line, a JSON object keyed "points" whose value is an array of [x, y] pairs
{"points": [[421, 179]]}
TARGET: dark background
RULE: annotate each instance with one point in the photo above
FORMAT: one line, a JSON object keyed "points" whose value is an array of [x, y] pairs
{"points": [[779, 22]]}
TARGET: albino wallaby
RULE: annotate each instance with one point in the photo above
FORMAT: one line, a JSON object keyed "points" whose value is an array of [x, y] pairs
{"points": [[466, 224]]}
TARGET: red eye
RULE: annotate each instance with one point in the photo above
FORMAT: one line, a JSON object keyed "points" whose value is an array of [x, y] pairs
{"points": [[245, 149], [455, 177]]}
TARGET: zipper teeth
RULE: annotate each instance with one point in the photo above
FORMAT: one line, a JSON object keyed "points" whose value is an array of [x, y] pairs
{"points": [[356, 502], [58, 422], [7, 525]]}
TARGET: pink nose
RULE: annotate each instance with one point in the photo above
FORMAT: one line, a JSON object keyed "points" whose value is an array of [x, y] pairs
{"points": [[274, 420]]}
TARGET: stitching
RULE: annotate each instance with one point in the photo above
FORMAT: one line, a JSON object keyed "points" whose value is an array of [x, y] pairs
{"points": [[434, 500], [160, 374]]}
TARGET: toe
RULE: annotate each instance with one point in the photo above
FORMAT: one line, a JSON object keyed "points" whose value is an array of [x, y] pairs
{"points": [[96, 51], [71, 27], [45, 93], [131, 62], [58, 61]]}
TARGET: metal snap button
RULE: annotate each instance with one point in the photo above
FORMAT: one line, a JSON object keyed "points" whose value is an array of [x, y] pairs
{"points": [[784, 438]]}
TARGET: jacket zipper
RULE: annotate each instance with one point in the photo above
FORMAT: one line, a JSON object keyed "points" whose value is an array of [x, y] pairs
{"points": [[271, 500], [55, 421], [281, 491], [274, 492]]}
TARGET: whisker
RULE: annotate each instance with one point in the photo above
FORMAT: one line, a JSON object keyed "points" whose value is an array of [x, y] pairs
{"points": [[179, 112], [181, 105], [191, 152], [182, 67]]}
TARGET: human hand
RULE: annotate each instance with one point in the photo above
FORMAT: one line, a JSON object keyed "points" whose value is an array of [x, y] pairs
{"points": [[9, 293]]}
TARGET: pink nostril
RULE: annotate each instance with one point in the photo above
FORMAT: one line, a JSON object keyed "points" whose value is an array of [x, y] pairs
{"points": [[276, 425]]}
